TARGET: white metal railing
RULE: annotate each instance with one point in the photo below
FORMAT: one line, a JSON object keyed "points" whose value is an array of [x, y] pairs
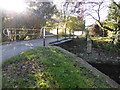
{"points": [[7, 31], [42, 32], [44, 35]]}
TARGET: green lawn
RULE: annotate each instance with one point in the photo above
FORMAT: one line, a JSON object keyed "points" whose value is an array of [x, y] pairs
{"points": [[48, 67]]}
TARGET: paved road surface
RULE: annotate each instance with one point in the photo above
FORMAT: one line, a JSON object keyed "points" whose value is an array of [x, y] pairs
{"points": [[15, 48]]}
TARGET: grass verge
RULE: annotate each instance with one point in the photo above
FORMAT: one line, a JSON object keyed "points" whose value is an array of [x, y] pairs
{"points": [[48, 67]]}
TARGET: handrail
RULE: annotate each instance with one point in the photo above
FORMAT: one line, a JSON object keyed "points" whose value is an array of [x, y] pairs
{"points": [[53, 27], [7, 32], [18, 29]]}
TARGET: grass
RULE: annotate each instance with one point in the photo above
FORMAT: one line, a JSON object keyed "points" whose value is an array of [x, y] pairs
{"points": [[48, 67], [6, 42], [104, 43], [101, 39]]}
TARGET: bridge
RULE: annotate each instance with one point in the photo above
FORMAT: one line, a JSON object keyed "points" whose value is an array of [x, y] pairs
{"points": [[15, 48]]}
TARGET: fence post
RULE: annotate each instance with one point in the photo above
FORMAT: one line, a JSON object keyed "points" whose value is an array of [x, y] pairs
{"points": [[73, 34], [65, 33], [15, 35], [89, 44], [40, 33], [57, 33], [70, 33], [9, 34], [43, 36]]}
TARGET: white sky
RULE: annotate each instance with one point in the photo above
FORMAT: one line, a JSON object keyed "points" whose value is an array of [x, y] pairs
{"points": [[13, 5], [88, 19], [19, 6]]}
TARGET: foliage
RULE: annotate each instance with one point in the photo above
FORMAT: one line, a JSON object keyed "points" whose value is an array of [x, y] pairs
{"points": [[48, 67], [75, 23], [105, 44], [110, 47], [44, 9], [70, 23], [112, 24], [32, 18], [101, 39], [97, 31], [113, 21], [114, 14]]}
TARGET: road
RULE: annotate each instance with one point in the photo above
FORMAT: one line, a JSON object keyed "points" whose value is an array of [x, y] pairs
{"points": [[15, 48]]}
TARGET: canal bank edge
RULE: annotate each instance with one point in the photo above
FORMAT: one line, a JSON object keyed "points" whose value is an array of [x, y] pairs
{"points": [[111, 82]]}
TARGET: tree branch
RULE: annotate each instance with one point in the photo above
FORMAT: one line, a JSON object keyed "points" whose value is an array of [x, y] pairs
{"points": [[116, 4]]}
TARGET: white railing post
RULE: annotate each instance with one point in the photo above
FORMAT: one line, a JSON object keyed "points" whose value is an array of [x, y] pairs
{"points": [[9, 34]]}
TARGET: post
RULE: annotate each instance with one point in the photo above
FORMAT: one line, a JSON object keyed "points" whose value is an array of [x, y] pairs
{"points": [[70, 33], [89, 44], [15, 35], [9, 34], [40, 32], [43, 36], [57, 33], [65, 33], [73, 34]]}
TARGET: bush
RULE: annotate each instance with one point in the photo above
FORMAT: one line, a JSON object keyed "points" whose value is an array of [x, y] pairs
{"points": [[106, 45]]}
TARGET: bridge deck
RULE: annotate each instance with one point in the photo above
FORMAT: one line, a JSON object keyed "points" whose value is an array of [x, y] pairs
{"points": [[61, 41]]}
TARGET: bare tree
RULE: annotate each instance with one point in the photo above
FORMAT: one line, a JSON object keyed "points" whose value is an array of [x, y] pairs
{"points": [[89, 8]]}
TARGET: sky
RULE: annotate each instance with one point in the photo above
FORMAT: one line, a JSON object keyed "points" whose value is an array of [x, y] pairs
{"points": [[88, 19], [13, 5], [20, 6], [103, 14]]}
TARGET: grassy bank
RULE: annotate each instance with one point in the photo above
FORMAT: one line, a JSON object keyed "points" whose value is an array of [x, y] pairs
{"points": [[48, 67]]}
